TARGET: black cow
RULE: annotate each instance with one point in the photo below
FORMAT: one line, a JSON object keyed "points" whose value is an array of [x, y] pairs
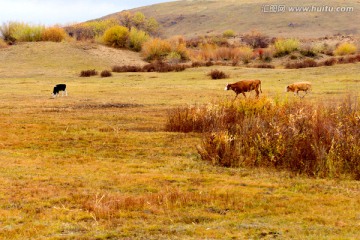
{"points": [[58, 88]]}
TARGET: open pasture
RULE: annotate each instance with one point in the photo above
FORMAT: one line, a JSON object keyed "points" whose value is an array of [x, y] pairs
{"points": [[99, 165]]}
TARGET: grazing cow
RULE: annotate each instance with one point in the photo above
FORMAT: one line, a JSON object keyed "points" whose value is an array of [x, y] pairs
{"points": [[299, 86], [244, 86], [58, 88]]}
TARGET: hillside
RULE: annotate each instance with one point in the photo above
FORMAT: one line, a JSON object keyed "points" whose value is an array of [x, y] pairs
{"points": [[40, 58], [199, 17]]}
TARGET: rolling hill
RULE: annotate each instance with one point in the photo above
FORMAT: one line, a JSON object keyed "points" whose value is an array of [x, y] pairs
{"points": [[200, 17]]}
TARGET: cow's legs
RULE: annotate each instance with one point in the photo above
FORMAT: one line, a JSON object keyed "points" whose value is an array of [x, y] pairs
{"points": [[257, 93]]}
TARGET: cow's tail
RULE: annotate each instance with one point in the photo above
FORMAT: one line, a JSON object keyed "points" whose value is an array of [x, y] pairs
{"points": [[260, 87]]}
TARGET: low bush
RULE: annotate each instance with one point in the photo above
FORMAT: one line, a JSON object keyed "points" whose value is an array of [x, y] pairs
{"points": [[156, 66], [137, 38], [229, 33], [53, 34], [315, 140], [88, 73], [345, 49], [217, 74], [302, 64], [116, 36], [256, 40], [159, 66], [126, 68], [156, 49], [105, 73], [286, 46], [264, 65], [328, 62], [23, 32], [244, 54]]}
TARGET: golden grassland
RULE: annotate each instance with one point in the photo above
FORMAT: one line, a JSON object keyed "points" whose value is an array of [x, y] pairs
{"points": [[99, 165]]}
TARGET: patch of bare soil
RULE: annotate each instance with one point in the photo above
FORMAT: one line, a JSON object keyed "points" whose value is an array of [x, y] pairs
{"points": [[113, 56]]}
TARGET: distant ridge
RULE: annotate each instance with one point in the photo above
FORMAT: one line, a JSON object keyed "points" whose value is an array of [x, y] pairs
{"points": [[191, 18]]}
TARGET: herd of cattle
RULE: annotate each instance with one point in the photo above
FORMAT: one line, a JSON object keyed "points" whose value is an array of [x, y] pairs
{"points": [[238, 87], [249, 85]]}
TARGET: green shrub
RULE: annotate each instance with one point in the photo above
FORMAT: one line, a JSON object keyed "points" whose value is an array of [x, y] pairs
{"points": [[345, 49], [137, 38], [24, 32], [229, 33], [156, 49], [173, 58], [286, 46], [116, 36]]}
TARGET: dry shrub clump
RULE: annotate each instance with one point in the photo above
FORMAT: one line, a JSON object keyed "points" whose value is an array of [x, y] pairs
{"points": [[156, 49], [217, 74], [88, 73], [264, 65], [302, 64], [105, 73], [156, 66], [54, 34], [315, 140], [126, 68]]}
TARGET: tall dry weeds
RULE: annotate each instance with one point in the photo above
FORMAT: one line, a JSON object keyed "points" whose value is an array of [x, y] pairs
{"points": [[316, 140]]}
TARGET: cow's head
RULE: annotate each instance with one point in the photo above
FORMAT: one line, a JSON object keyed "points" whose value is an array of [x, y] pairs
{"points": [[228, 86], [289, 88]]}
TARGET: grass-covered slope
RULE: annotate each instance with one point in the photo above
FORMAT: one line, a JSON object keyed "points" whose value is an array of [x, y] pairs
{"points": [[198, 17]]}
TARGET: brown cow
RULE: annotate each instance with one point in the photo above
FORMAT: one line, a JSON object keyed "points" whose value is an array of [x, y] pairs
{"points": [[299, 86], [245, 86]]}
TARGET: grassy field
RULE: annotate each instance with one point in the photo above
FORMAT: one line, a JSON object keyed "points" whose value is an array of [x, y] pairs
{"points": [[99, 165]]}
